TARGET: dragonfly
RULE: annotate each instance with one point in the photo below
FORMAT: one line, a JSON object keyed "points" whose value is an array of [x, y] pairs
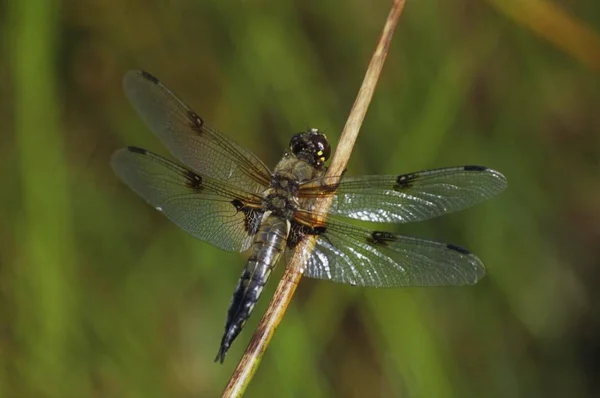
{"points": [[223, 194]]}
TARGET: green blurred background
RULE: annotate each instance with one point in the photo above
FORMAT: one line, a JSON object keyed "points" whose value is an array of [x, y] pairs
{"points": [[100, 296]]}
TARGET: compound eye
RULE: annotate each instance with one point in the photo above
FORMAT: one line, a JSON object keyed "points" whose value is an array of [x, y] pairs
{"points": [[297, 144]]}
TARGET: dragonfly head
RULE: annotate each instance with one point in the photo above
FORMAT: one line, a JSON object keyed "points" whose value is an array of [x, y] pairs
{"points": [[311, 146]]}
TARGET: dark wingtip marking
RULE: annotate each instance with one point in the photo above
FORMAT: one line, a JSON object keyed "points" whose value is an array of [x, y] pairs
{"points": [[135, 149], [148, 76], [475, 168], [459, 249]]}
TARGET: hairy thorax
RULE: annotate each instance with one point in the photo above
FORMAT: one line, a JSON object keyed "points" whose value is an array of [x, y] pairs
{"points": [[281, 197]]}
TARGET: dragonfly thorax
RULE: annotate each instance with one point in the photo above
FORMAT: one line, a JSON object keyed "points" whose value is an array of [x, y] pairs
{"points": [[280, 198], [282, 195]]}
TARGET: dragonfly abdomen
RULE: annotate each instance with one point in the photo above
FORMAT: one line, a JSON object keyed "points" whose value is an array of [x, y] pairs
{"points": [[268, 244]]}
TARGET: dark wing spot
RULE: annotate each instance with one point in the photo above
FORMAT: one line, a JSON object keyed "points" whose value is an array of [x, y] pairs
{"points": [[404, 181], [135, 149], [252, 217], [148, 76], [194, 180], [318, 230], [237, 204], [458, 249], [475, 168], [299, 231], [196, 120], [381, 238]]}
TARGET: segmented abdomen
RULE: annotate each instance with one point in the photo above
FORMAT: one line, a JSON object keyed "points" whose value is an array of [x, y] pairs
{"points": [[269, 243]]}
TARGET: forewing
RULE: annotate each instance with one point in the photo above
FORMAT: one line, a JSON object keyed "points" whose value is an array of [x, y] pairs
{"points": [[190, 139], [409, 197], [208, 209], [356, 256]]}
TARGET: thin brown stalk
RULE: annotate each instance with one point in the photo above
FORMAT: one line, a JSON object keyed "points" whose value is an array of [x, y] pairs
{"points": [[285, 290]]}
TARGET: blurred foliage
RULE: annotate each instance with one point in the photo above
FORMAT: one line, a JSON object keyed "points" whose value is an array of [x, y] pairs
{"points": [[100, 296]]}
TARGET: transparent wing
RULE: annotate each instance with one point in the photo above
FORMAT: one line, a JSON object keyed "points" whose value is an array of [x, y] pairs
{"points": [[409, 197], [208, 209], [190, 139], [356, 256]]}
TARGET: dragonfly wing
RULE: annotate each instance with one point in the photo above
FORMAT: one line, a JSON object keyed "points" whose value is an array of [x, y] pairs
{"points": [[410, 197], [348, 254], [208, 209], [190, 139]]}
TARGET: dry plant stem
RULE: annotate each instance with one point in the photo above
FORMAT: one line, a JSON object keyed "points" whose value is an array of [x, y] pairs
{"points": [[285, 290]]}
